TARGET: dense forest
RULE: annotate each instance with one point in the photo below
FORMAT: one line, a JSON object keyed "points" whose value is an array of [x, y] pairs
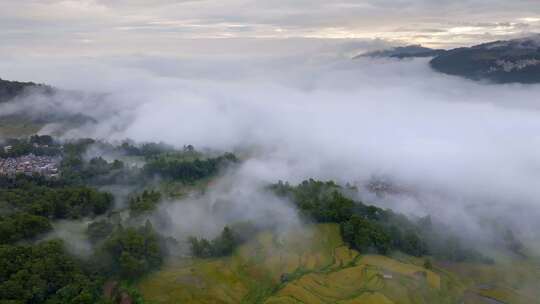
{"points": [[145, 202], [43, 145], [36, 269], [46, 273], [185, 165], [368, 228], [12, 89], [29, 205], [187, 170]]}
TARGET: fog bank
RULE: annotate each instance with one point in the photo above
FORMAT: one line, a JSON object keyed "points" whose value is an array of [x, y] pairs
{"points": [[462, 147]]}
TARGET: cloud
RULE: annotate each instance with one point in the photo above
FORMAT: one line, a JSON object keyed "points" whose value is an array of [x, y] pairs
{"points": [[111, 27], [464, 149], [237, 197]]}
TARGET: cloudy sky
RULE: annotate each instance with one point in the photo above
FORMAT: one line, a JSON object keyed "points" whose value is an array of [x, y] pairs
{"points": [[91, 27]]}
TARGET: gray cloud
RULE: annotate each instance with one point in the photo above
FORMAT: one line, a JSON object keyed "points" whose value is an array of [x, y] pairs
{"points": [[458, 145], [93, 26]]}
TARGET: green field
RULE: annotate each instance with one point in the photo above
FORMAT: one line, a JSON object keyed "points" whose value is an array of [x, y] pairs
{"points": [[314, 266]]}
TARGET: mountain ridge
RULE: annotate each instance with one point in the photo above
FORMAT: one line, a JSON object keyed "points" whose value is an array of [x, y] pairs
{"points": [[510, 61], [402, 52], [501, 61], [11, 89]]}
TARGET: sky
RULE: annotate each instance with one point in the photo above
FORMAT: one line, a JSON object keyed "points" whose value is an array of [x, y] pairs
{"points": [[113, 27]]}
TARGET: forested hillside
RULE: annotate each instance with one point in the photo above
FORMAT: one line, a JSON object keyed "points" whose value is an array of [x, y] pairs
{"points": [[11, 89]]}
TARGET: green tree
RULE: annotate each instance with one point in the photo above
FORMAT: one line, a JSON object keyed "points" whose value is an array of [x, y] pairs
{"points": [[132, 252], [222, 245], [21, 226], [44, 273]]}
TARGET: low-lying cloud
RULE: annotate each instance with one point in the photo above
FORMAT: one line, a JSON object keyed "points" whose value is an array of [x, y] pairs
{"points": [[463, 147]]}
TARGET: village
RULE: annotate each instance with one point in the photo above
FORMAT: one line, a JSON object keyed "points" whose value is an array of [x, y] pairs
{"points": [[29, 165]]}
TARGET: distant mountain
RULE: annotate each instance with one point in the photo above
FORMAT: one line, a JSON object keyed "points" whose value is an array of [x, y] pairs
{"points": [[410, 51], [12, 89], [513, 61]]}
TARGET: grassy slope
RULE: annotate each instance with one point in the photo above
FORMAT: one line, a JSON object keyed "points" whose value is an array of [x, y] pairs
{"points": [[319, 269], [17, 127]]}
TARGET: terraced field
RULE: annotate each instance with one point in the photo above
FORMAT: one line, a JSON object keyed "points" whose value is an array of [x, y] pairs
{"points": [[313, 266]]}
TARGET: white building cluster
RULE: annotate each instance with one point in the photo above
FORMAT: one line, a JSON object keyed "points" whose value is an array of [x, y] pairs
{"points": [[30, 164]]}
